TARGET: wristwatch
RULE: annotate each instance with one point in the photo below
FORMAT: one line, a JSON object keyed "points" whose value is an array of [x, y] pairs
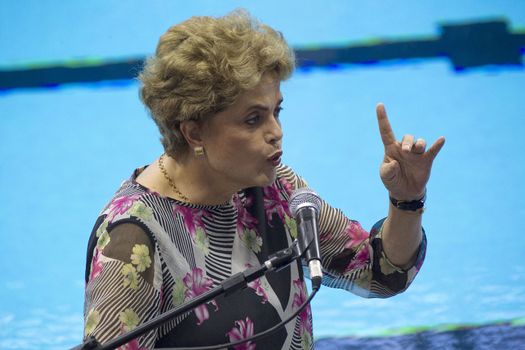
{"points": [[415, 205]]}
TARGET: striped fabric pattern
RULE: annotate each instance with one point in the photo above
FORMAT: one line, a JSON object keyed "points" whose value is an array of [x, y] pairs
{"points": [[177, 251]]}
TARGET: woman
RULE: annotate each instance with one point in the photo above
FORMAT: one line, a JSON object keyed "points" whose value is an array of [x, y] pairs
{"points": [[216, 202]]}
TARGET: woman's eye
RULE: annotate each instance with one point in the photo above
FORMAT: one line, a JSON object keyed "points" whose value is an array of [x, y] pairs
{"points": [[253, 120], [278, 112]]}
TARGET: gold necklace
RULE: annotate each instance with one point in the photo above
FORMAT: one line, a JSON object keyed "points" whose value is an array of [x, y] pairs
{"points": [[170, 180]]}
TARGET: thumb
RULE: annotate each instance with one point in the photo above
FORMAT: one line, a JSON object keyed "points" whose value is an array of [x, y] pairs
{"points": [[389, 170]]}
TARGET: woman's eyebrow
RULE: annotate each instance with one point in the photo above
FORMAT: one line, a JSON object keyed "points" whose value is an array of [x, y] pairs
{"points": [[262, 107]]}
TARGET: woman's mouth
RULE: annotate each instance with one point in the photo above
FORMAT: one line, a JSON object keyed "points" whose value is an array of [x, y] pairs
{"points": [[275, 159]]}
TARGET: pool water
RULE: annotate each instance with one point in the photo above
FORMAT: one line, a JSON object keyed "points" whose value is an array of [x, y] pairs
{"points": [[65, 150]]}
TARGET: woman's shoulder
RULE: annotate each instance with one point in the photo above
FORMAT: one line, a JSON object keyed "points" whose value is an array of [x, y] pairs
{"points": [[131, 199], [289, 178]]}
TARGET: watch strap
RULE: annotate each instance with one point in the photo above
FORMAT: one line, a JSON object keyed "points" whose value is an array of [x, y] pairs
{"points": [[415, 205]]}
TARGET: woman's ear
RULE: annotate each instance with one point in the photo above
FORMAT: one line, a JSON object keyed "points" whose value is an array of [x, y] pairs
{"points": [[192, 132]]}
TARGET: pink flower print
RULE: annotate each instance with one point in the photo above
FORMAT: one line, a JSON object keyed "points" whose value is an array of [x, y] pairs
{"points": [[325, 236], [244, 218], [356, 234], [259, 290], [298, 299], [257, 286], [196, 284], [286, 185], [360, 260], [132, 345], [195, 225], [243, 329], [96, 265], [192, 217], [120, 205], [274, 203]]}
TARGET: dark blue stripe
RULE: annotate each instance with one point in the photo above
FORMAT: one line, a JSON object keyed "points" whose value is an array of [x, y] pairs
{"points": [[467, 45]]}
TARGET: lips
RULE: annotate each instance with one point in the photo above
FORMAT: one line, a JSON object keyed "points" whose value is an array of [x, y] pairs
{"points": [[275, 158]]}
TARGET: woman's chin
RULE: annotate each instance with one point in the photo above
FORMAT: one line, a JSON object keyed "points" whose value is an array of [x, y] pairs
{"points": [[264, 179], [268, 179]]}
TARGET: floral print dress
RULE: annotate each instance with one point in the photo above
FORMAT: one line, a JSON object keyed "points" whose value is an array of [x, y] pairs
{"points": [[148, 254]]}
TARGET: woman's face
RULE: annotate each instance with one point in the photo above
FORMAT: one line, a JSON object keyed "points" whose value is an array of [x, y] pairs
{"points": [[243, 143]]}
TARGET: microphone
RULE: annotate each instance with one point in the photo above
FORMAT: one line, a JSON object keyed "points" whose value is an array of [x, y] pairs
{"points": [[305, 206]]}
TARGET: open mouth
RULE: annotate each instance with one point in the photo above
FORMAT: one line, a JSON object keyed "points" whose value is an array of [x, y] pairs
{"points": [[275, 159]]}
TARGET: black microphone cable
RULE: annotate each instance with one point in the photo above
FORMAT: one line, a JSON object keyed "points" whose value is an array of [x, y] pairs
{"points": [[258, 335], [301, 198]]}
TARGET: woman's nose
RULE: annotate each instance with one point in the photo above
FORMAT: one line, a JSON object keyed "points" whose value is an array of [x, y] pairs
{"points": [[275, 132]]}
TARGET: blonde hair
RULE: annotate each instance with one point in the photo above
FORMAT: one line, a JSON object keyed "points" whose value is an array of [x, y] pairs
{"points": [[202, 65]]}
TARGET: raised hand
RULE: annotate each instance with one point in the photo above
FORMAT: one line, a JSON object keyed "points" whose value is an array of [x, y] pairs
{"points": [[406, 166]]}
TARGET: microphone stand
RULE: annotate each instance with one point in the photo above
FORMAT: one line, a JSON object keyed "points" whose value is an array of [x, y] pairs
{"points": [[240, 280]]}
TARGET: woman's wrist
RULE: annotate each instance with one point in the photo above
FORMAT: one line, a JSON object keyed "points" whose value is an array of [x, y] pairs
{"points": [[409, 205]]}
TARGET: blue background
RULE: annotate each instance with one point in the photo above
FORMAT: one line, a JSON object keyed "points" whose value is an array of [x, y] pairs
{"points": [[64, 151]]}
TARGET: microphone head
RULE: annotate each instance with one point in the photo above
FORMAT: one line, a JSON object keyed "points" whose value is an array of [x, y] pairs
{"points": [[304, 197]]}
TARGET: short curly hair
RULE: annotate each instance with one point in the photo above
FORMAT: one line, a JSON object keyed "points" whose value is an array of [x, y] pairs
{"points": [[203, 64]]}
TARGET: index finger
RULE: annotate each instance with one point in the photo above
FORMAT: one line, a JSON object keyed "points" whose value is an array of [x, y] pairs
{"points": [[387, 135]]}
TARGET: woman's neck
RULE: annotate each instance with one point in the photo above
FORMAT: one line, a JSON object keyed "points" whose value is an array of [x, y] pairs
{"points": [[193, 180]]}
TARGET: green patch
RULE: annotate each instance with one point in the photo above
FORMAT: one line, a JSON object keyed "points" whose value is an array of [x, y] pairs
{"points": [[201, 241], [179, 292], [291, 225]]}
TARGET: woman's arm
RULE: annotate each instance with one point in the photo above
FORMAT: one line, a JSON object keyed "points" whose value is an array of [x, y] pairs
{"points": [[402, 235], [353, 258], [121, 293], [405, 171]]}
